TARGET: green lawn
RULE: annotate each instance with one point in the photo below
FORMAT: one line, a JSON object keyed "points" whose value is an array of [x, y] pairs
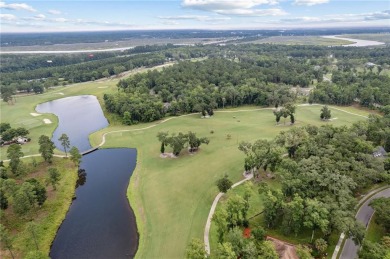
{"points": [[172, 197]]}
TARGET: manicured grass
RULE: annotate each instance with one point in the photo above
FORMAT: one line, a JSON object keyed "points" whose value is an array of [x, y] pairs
{"points": [[375, 232], [302, 40], [172, 197], [49, 217]]}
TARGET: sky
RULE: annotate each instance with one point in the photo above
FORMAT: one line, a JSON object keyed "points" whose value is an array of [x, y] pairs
{"points": [[95, 15]]}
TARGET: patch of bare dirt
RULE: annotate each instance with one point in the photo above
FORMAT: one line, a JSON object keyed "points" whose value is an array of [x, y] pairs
{"points": [[284, 249], [167, 155]]}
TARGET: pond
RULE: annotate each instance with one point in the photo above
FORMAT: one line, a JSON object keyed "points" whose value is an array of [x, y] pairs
{"points": [[78, 116], [100, 222]]}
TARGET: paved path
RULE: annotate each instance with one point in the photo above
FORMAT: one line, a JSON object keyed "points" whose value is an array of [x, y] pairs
{"points": [[212, 210], [364, 214]]}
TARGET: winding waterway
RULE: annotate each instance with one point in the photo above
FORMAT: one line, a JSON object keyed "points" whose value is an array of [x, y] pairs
{"points": [[356, 42], [100, 222]]}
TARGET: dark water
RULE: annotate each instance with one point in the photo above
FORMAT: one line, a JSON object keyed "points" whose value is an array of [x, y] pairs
{"points": [[100, 222], [78, 116]]}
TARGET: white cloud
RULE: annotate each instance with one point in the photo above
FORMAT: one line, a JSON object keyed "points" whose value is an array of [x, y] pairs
{"points": [[378, 16], [211, 5], [201, 18], [39, 17], [310, 2], [7, 17], [235, 7], [341, 18], [55, 12], [17, 6], [59, 20], [254, 12]]}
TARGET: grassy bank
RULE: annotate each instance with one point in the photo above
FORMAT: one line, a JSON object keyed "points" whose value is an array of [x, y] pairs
{"points": [[48, 217]]}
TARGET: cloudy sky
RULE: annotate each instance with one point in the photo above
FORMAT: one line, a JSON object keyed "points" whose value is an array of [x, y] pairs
{"points": [[70, 15]]}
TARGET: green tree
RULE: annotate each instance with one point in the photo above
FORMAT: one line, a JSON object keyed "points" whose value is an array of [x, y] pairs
{"points": [[127, 118], [6, 240], [325, 113], [24, 199], [382, 209], [194, 142], [273, 204], [65, 143], [4, 126], [316, 216], [224, 184], [220, 219], [31, 228], [54, 177], [321, 245], [235, 238], [39, 189], [259, 234], [46, 148], [303, 252], [293, 215], [3, 200], [22, 132], [177, 142], [267, 251], [75, 155], [14, 153], [196, 250], [225, 251]]}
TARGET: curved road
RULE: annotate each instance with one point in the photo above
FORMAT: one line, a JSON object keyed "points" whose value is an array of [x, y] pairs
{"points": [[363, 215]]}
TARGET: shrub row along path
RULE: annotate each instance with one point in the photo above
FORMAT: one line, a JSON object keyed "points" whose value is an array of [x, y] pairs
{"points": [[363, 215]]}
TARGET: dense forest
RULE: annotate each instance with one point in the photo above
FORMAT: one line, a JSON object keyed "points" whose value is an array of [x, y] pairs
{"points": [[229, 75]]}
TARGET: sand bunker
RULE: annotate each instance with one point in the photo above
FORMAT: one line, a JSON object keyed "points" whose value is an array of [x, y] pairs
{"points": [[47, 121], [60, 93], [103, 87], [35, 114]]}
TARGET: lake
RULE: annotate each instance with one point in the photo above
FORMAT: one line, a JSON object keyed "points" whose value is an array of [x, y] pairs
{"points": [[100, 222], [78, 116]]}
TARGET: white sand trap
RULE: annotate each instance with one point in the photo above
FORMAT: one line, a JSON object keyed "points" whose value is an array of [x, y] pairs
{"points": [[60, 93], [332, 119], [47, 121], [35, 114], [103, 87]]}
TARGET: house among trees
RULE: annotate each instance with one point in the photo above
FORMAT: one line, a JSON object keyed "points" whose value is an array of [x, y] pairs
{"points": [[379, 152]]}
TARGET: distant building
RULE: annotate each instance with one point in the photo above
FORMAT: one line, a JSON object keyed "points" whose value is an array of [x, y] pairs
{"points": [[379, 152], [370, 64]]}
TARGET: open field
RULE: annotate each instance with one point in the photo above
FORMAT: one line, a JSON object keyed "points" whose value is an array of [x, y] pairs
{"points": [[172, 197], [113, 44], [302, 40], [382, 37]]}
